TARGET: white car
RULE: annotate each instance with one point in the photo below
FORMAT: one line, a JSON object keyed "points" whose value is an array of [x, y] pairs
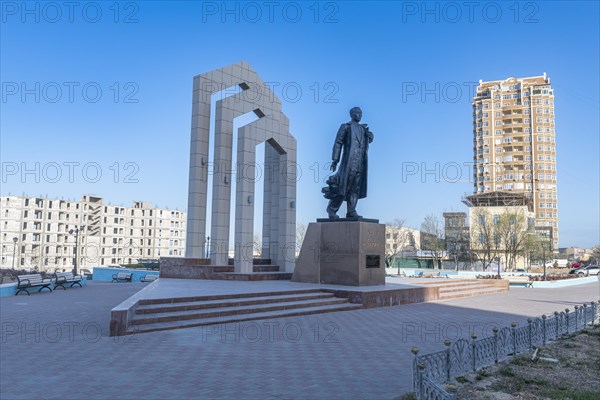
{"points": [[589, 270]]}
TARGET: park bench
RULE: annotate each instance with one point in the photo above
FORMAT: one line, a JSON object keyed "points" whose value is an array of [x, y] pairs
{"points": [[63, 278], [520, 280], [122, 277], [149, 278], [423, 274], [25, 282]]}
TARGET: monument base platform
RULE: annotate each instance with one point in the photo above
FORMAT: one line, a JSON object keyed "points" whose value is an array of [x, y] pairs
{"points": [[342, 251], [200, 268], [362, 219], [172, 300]]}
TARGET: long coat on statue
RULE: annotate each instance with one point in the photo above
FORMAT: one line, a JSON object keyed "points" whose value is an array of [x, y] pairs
{"points": [[344, 141]]}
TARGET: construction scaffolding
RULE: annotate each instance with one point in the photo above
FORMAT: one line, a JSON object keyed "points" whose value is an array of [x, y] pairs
{"points": [[498, 199]]}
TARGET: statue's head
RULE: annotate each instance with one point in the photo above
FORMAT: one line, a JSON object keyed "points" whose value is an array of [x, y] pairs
{"points": [[356, 114]]}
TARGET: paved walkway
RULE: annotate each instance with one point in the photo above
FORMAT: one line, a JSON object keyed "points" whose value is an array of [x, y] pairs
{"points": [[60, 341]]}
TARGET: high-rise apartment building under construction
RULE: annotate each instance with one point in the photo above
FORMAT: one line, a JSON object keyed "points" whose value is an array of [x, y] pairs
{"points": [[514, 147]]}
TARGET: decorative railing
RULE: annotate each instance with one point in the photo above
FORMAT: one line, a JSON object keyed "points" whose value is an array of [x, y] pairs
{"points": [[433, 372]]}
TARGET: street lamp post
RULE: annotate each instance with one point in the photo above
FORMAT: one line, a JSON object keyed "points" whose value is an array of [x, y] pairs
{"points": [[207, 245], [15, 240], [544, 258], [76, 231]]}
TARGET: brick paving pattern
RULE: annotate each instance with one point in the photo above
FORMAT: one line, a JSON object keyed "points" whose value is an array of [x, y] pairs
{"points": [[60, 341]]}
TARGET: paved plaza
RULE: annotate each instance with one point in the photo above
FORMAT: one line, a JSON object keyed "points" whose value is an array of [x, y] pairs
{"points": [[56, 345]]}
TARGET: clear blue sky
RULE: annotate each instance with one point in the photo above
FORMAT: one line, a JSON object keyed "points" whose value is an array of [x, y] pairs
{"points": [[369, 54]]}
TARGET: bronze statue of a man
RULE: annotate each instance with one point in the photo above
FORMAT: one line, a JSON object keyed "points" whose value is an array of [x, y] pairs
{"points": [[350, 182]]}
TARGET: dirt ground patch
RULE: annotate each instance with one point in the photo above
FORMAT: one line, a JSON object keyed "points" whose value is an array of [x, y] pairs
{"points": [[575, 376]]}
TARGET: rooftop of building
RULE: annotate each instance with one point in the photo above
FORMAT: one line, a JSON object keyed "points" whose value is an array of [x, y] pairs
{"points": [[536, 80], [88, 198], [457, 214], [498, 199]]}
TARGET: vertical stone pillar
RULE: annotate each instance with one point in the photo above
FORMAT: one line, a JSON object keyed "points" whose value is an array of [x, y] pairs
{"points": [[279, 172], [221, 200], [244, 199], [198, 172]]}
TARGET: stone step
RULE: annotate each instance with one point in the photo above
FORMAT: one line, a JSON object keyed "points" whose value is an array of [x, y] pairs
{"points": [[255, 276], [468, 293], [449, 282], [266, 268], [465, 287], [255, 268], [227, 311], [255, 261], [235, 302], [225, 296], [242, 317]]}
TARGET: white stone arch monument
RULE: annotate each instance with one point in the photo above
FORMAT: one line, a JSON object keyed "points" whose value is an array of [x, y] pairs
{"points": [[279, 172]]}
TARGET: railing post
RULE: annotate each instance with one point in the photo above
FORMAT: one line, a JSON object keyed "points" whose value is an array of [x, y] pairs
{"points": [[514, 337], [474, 336], [416, 378], [576, 318], [495, 330], [585, 311], [556, 318], [421, 368], [447, 344], [529, 333], [567, 318], [544, 329], [594, 309]]}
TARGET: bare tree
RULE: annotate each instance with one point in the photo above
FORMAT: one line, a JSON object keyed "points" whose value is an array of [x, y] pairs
{"points": [[432, 232], [300, 233], [596, 253], [485, 240], [257, 246], [396, 241], [457, 241], [511, 226], [532, 249]]}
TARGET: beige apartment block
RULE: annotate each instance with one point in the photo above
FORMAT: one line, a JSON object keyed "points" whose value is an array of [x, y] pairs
{"points": [[486, 210], [35, 233], [400, 239], [514, 147]]}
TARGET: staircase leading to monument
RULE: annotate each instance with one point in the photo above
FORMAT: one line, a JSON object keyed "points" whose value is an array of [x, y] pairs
{"points": [[200, 268], [455, 288], [176, 313]]}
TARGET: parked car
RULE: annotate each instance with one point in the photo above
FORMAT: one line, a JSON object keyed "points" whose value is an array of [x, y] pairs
{"points": [[590, 270], [520, 271], [577, 264], [575, 270]]}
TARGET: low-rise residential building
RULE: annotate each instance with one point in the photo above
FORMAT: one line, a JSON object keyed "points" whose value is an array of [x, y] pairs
{"points": [[40, 233], [399, 239], [577, 253], [499, 223], [456, 233]]}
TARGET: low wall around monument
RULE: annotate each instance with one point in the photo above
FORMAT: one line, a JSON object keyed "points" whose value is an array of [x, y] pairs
{"points": [[183, 268], [105, 274], [386, 298]]}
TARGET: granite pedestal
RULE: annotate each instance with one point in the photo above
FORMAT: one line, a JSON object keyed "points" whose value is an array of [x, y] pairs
{"points": [[342, 252]]}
